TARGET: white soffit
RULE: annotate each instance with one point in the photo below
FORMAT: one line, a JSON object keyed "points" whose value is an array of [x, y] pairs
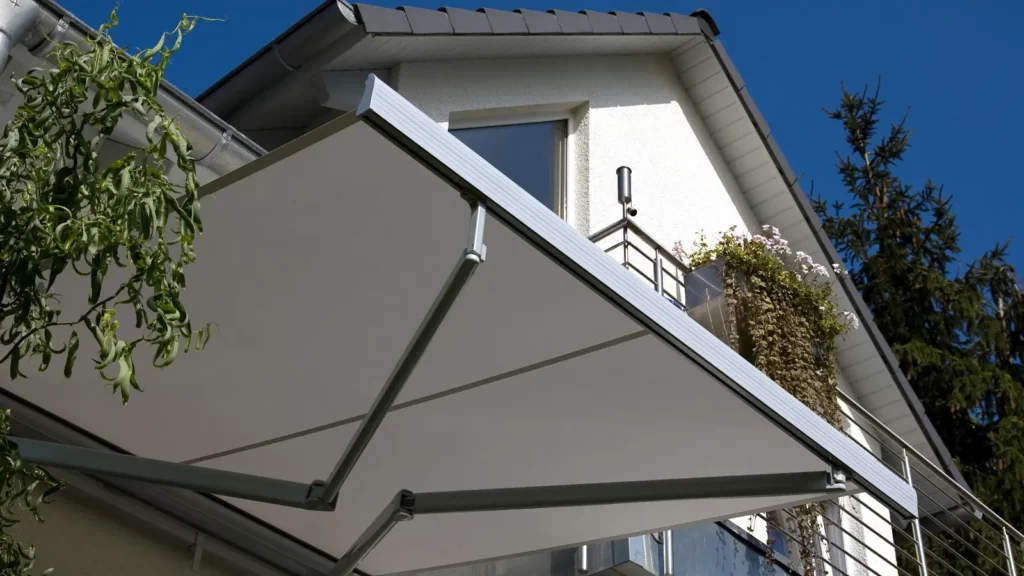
{"points": [[554, 366]]}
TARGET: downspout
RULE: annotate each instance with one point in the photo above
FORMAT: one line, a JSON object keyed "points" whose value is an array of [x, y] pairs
{"points": [[40, 24]]}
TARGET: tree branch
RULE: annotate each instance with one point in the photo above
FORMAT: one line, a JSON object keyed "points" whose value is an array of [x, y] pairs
{"points": [[48, 325]]}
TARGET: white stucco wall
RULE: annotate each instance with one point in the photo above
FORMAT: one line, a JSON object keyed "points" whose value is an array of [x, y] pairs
{"points": [[625, 110]]}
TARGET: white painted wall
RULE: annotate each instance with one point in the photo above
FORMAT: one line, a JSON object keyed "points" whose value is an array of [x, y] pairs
{"points": [[626, 110]]}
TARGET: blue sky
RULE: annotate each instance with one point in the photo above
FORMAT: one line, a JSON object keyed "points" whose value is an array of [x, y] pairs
{"points": [[953, 63]]}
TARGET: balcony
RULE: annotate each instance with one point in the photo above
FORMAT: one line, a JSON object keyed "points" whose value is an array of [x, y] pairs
{"points": [[955, 533]]}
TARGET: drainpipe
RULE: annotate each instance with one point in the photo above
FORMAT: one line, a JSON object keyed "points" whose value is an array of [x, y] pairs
{"points": [[40, 24], [17, 19]]}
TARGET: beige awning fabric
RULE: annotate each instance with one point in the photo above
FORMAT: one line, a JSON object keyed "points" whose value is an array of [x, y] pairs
{"points": [[553, 365]]}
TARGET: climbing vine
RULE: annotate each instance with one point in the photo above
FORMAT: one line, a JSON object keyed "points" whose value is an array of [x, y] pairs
{"points": [[126, 222], [782, 318]]}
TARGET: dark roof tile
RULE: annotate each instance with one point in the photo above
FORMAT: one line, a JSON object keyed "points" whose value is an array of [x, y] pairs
{"points": [[784, 167], [603, 23], [708, 23], [540, 22], [427, 22], [730, 68], [572, 22], [632, 23], [755, 114], [467, 21], [505, 22], [659, 23], [685, 24], [377, 20]]}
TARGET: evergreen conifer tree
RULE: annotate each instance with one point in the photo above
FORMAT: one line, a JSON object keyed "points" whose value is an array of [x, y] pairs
{"points": [[956, 328]]}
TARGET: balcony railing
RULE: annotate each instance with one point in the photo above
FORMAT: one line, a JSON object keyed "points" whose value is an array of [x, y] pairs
{"points": [[639, 253], [955, 534]]}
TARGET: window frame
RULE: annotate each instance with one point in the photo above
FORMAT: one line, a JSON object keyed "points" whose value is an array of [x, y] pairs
{"points": [[498, 118]]}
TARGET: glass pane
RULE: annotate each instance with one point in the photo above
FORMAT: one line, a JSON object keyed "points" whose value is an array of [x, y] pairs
{"points": [[532, 155]]}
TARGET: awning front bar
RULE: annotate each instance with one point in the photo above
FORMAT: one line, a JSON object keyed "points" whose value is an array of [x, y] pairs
{"points": [[598, 494], [406, 505]]}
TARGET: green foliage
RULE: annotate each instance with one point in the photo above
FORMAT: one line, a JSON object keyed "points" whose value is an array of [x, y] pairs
{"points": [[24, 487], [956, 329], [781, 318], [62, 209]]}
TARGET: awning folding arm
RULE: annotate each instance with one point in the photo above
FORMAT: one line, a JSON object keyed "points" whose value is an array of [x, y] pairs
{"points": [[318, 494], [471, 258], [405, 504], [188, 476]]}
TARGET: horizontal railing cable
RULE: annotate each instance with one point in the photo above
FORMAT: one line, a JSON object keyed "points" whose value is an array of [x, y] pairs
{"points": [[857, 540], [817, 554]]}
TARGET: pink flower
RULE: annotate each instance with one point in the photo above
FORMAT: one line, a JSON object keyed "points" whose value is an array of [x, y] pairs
{"points": [[851, 320]]}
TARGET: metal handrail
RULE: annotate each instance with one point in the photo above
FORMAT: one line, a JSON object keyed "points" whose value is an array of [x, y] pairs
{"points": [[662, 264], [631, 225], [961, 491]]}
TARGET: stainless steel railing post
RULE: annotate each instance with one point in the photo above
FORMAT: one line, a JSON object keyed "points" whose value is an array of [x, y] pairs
{"points": [[657, 273], [667, 561], [625, 248], [915, 525], [1008, 545]]}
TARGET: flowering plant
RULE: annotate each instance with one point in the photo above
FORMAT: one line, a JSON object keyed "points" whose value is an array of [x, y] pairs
{"points": [[765, 265], [782, 318]]}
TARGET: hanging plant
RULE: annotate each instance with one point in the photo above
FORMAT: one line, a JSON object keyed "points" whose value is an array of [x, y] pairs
{"points": [[782, 318]]}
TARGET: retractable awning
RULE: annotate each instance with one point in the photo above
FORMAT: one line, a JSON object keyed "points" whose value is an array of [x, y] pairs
{"points": [[468, 375]]}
